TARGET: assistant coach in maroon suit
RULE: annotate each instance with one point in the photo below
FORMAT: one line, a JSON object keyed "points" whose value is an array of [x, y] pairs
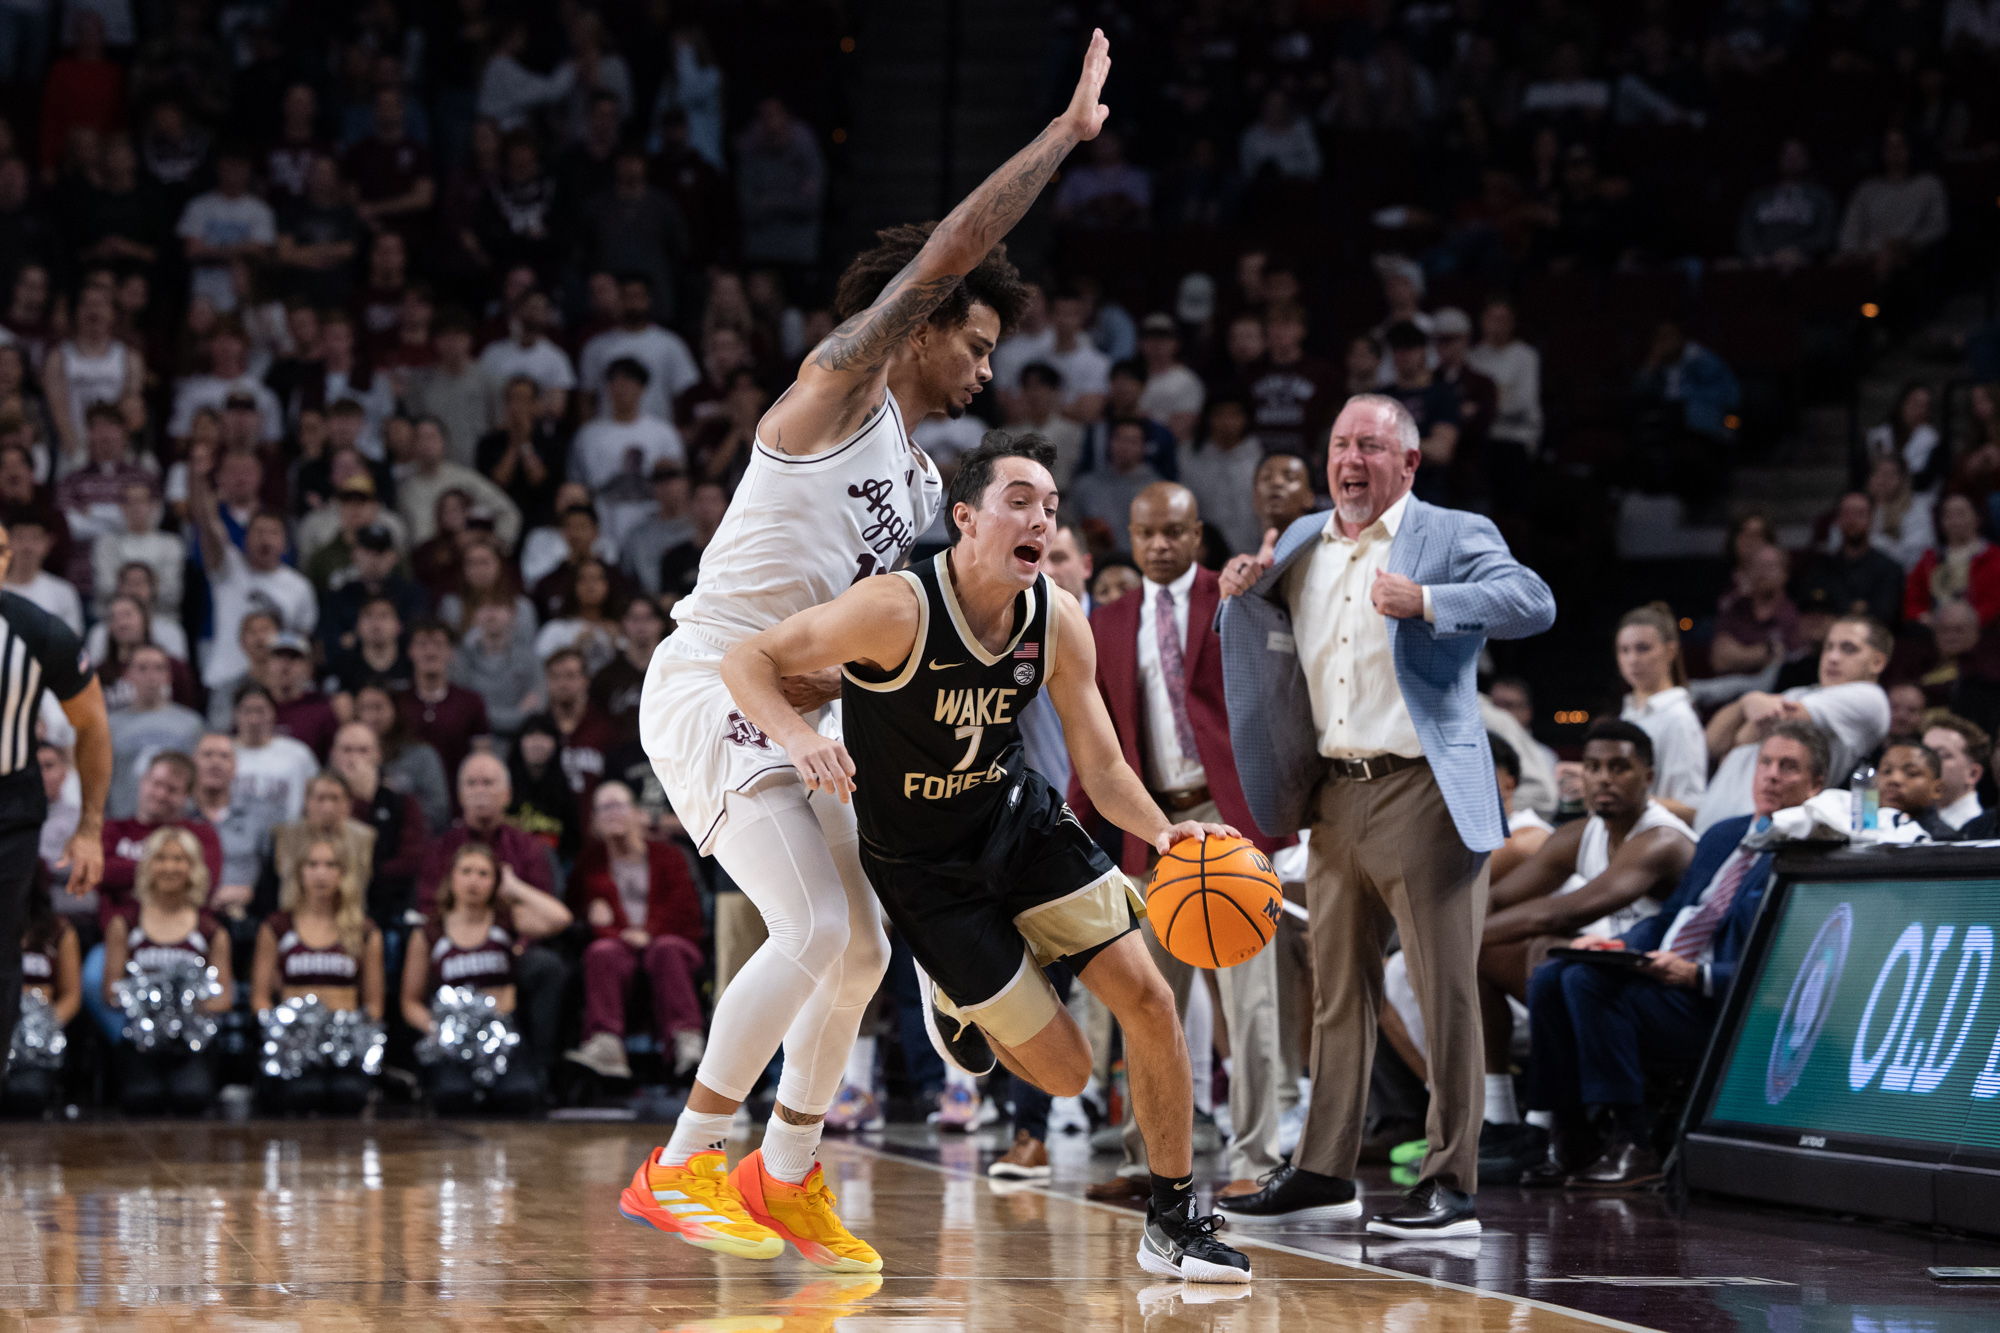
{"points": [[1159, 667]]}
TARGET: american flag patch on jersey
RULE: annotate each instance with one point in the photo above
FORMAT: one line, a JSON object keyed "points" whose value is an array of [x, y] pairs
{"points": [[1028, 650]]}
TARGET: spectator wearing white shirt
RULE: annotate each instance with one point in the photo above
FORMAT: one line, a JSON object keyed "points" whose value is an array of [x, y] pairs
{"points": [[140, 542], [1894, 216], [1516, 371], [1909, 433], [1085, 371], [615, 454], [509, 91], [1280, 140], [1649, 660], [239, 580], [137, 583], [1174, 394], [1567, 91], [26, 577], [527, 351], [670, 366], [1847, 703], [224, 225], [271, 770], [1963, 750], [228, 376], [429, 474]]}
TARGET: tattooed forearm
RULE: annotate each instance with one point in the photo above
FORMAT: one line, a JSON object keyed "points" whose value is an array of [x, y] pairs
{"points": [[864, 343]]}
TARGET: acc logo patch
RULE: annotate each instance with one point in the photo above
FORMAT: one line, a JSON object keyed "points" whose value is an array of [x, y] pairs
{"points": [[1807, 1007]]}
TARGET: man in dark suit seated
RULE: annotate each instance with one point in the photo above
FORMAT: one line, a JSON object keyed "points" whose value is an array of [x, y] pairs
{"points": [[1595, 1026]]}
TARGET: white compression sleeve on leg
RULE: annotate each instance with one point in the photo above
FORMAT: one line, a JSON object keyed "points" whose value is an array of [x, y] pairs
{"points": [[817, 1045], [774, 849]]}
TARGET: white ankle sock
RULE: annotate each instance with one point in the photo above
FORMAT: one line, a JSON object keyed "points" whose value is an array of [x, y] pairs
{"points": [[958, 1078], [694, 1132], [1500, 1107], [1542, 1119], [861, 1064], [788, 1149]]}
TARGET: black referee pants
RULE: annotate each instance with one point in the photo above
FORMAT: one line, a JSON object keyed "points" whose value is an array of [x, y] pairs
{"points": [[20, 873]]}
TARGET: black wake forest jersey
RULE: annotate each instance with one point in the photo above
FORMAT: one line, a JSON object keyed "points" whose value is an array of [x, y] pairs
{"points": [[37, 652], [936, 741]]}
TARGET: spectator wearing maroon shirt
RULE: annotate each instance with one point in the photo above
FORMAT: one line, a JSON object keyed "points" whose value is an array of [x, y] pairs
{"points": [[483, 793], [587, 735], [614, 690], [163, 799], [83, 90], [393, 184], [444, 715], [304, 713], [379, 303], [643, 909]]}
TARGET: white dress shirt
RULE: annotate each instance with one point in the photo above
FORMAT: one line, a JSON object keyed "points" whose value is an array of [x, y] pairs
{"points": [[1961, 811], [1343, 642], [1167, 768]]}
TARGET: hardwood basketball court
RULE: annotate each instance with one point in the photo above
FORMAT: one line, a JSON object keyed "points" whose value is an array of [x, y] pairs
{"points": [[419, 1224]]}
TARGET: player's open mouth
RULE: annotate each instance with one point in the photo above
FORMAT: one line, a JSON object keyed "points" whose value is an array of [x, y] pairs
{"points": [[1028, 554]]}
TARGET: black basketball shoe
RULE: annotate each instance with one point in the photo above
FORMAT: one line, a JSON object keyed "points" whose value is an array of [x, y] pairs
{"points": [[960, 1045], [1180, 1244]]}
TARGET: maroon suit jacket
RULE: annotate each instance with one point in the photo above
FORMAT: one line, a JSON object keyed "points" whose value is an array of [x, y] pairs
{"points": [[1116, 628]]}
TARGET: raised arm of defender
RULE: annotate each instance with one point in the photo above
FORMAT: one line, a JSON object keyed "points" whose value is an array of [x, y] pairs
{"points": [[842, 379]]}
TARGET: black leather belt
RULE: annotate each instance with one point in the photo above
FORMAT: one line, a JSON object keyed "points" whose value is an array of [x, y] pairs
{"points": [[1375, 766], [1187, 798]]}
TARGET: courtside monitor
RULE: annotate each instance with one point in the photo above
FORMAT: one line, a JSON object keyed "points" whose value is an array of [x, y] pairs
{"points": [[1856, 1066]]}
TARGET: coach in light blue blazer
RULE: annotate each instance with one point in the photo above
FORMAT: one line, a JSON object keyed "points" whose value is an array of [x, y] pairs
{"points": [[1350, 659]]}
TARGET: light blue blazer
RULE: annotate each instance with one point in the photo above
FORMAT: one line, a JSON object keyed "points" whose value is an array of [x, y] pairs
{"points": [[1478, 591]]}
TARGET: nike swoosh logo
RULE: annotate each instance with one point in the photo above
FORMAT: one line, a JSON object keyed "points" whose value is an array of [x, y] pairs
{"points": [[944, 666], [1189, 1184]]}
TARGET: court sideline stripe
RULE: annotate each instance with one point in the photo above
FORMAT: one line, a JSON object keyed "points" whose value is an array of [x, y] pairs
{"points": [[1236, 1237]]}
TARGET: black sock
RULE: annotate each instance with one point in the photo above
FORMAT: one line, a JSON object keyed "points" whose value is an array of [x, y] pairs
{"points": [[1172, 1194]]}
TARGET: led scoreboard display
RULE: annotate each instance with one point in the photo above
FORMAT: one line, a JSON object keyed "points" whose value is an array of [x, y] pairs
{"points": [[1857, 1063]]}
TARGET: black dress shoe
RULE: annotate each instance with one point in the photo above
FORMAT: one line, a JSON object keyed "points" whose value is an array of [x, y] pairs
{"points": [[1430, 1211], [1569, 1152], [1623, 1164], [1292, 1196]]}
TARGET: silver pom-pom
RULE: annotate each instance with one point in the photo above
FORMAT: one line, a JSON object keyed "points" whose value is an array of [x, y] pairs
{"points": [[470, 1027], [163, 1005], [303, 1033], [39, 1040]]}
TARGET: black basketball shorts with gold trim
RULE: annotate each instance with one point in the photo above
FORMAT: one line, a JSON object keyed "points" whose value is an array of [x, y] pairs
{"points": [[1038, 889]]}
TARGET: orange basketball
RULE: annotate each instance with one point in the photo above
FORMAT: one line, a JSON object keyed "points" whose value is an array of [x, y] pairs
{"points": [[1214, 903]]}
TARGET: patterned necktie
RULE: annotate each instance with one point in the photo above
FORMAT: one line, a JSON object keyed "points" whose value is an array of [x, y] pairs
{"points": [[1702, 925], [1171, 667]]}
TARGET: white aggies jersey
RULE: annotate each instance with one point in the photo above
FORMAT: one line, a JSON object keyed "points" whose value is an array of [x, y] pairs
{"points": [[801, 531]]}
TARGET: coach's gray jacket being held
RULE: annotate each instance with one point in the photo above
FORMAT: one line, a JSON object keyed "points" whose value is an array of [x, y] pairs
{"points": [[1477, 591]]}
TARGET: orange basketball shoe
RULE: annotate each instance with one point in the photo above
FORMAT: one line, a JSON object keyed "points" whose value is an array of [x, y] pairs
{"points": [[803, 1214], [698, 1203]]}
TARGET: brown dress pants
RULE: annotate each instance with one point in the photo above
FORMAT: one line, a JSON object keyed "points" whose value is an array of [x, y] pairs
{"points": [[1386, 853]]}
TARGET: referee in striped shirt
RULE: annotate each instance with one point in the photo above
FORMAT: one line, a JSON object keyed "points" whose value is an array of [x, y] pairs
{"points": [[39, 652]]}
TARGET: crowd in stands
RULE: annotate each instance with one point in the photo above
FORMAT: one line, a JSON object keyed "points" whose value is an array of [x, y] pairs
{"points": [[372, 380]]}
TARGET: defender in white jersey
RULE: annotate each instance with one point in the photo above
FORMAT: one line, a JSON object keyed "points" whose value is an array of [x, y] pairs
{"points": [[835, 492]]}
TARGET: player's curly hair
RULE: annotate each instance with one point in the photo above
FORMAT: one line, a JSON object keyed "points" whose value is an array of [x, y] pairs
{"points": [[995, 281]]}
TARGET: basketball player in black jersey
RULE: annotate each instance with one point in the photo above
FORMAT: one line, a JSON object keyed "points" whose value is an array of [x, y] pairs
{"points": [[977, 861]]}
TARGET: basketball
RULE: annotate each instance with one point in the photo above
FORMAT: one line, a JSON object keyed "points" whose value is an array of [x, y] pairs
{"points": [[1214, 903]]}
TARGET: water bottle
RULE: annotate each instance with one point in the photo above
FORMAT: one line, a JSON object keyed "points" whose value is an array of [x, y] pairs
{"points": [[1865, 798]]}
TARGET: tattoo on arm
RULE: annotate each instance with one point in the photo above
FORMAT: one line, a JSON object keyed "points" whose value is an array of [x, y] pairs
{"points": [[862, 345]]}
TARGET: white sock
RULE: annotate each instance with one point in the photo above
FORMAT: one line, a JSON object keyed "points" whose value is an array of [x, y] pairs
{"points": [[861, 1064], [693, 1133], [958, 1078], [788, 1149], [1542, 1119], [1500, 1107]]}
